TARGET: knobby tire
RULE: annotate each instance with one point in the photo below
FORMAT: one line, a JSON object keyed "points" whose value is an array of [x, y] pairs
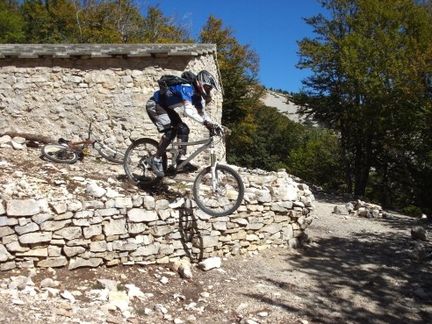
{"points": [[215, 204]]}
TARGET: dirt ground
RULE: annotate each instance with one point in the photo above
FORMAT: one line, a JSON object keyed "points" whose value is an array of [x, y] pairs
{"points": [[353, 270]]}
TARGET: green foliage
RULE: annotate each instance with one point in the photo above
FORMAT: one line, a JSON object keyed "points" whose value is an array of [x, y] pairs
{"points": [[318, 159], [11, 22], [239, 67], [90, 21], [369, 62], [158, 28], [412, 211], [49, 21]]}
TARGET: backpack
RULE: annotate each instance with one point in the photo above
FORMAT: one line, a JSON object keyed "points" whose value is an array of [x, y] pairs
{"points": [[169, 80]]}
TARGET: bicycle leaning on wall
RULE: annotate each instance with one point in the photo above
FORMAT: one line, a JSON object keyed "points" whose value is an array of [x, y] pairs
{"points": [[218, 189], [66, 151]]}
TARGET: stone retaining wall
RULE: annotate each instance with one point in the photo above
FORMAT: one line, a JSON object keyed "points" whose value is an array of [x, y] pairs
{"points": [[142, 229], [57, 97]]}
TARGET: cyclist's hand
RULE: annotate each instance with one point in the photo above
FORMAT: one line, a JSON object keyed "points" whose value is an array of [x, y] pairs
{"points": [[213, 128]]}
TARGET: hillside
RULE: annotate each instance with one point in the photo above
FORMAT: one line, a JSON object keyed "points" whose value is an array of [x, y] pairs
{"points": [[283, 105]]}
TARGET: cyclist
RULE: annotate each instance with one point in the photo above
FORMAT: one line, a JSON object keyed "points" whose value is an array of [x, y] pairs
{"points": [[165, 105]]}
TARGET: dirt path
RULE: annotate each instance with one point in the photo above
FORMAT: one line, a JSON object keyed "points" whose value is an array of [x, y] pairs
{"points": [[354, 270]]}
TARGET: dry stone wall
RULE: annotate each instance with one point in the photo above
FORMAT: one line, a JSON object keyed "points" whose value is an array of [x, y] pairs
{"points": [[110, 229], [58, 97]]}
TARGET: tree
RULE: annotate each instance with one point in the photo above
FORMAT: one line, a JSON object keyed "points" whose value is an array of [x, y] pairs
{"points": [[239, 66], [368, 65], [158, 28], [11, 22], [50, 21]]}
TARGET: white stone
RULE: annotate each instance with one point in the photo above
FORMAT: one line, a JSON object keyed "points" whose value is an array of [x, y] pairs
{"points": [[68, 296], [32, 238], [94, 190], [139, 215], [210, 263], [27, 207]]}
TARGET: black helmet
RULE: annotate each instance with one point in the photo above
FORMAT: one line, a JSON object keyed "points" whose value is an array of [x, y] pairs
{"points": [[205, 83]]}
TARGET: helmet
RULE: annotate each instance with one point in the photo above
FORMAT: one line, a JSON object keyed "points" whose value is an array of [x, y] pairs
{"points": [[205, 83]]}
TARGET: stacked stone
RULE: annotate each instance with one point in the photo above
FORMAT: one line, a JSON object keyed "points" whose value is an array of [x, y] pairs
{"points": [[142, 229], [59, 101], [360, 208]]}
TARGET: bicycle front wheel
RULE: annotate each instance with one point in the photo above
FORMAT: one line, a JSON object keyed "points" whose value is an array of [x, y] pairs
{"points": [[59, 153], [136, 162], [218, 194], [108, 153]]}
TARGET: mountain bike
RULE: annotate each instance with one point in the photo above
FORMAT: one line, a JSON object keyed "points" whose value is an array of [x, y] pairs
{"points": [[218, 189], [66, 151]]}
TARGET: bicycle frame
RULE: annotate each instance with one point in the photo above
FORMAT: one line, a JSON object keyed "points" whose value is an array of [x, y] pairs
{"points": [[207, 143]]}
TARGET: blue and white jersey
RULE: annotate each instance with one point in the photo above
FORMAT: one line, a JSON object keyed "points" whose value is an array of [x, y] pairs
{"points": [[183, 99]]}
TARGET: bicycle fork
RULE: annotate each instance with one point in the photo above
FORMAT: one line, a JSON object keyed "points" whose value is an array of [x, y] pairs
{"points": [[213, 165]]}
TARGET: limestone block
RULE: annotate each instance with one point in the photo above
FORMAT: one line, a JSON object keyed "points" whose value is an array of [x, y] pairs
{"points": [[106, 212], [84, 214], [139, 215], [124, 246], [136, 228], [18, 208], [252, 237], [149, 202], [7, 221], [115, 227], [98, 246], [32, 238], [208, 241], [92, 231], [68, 233], [4, 254], [162, 204], [39, 252], [286, 192], [147, 250], [59, 207], [51, 226], [16, 247], [67, 215], [220, 226], [28, 228], [88, 263], [160, 230], [2, 209], [123, 202], [71, 251], [74, 205], [5, 231], [54, 251], [264, 196], [93, 204], [54, 262], [7, 266], [272, 228]]}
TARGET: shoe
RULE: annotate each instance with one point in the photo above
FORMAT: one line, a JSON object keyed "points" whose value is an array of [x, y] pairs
{"points": [[157, 166], [188, 167]]}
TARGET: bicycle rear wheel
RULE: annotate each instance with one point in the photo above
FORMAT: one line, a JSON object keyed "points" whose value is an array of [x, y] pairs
{"points": [[136, 162], [108, 153], [219, 194], [59, 153]]}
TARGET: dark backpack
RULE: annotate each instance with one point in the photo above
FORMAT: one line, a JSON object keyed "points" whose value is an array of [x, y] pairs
{"points": [[168, 80]]}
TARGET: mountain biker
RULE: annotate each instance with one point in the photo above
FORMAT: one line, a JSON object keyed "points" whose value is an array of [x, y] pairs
{"points": [[165, 105]]}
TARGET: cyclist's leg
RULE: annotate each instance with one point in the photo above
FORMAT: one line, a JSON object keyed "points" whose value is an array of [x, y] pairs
{"points": [[160, 117], [183, 136]]}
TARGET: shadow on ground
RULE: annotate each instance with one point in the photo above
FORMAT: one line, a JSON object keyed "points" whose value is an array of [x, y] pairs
{"points": [[366, 278]]}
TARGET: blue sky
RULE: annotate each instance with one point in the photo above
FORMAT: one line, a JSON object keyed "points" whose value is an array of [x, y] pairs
{"points": [[271, 27]]}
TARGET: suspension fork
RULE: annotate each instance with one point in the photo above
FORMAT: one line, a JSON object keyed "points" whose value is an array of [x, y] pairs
{"points": [[213, 165]]}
